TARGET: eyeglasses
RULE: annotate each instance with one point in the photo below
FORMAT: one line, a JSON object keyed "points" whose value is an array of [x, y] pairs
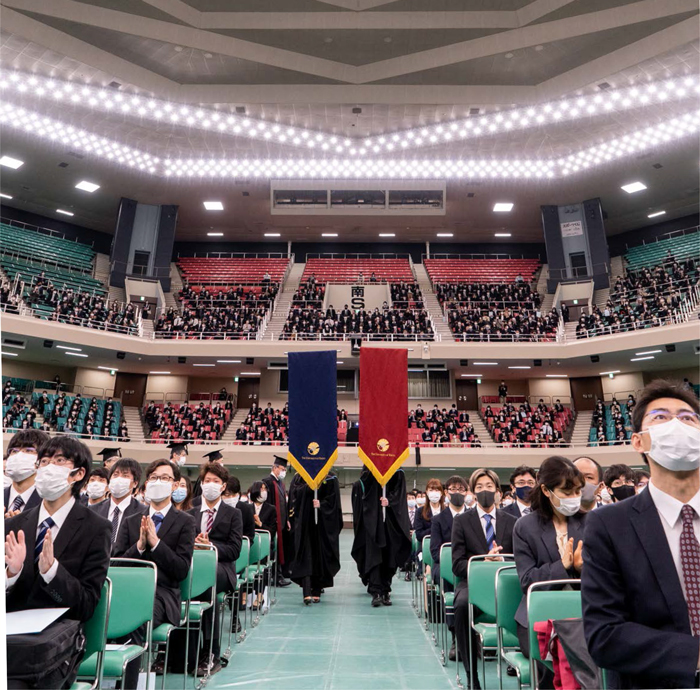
{"points": [[57, 460], [162, 478], [27, 449], [662, 416], [520, 485]]}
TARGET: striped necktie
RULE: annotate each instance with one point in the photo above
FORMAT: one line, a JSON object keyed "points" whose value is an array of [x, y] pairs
{"points": [[44, 527], [210, 519], [17, 503], [115, 524], [489, 531]]}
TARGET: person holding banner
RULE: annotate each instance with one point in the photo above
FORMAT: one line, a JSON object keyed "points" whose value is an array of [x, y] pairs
{"points": [[317, 519]]}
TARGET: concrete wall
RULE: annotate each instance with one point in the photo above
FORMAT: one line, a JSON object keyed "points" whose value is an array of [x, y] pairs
{"points": [[94, 381], [37, 371], [552, 388], [515, 386], [622, 384]]}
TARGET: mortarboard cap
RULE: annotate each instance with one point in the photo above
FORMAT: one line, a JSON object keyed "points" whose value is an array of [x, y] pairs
{"points": [[108, 453], [178, 446], [213, 456], [280, 461]]}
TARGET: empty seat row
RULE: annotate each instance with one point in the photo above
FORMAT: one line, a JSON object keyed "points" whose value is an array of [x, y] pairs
{"points": [[481, 270], [349, 270], [655, 253], [232, 270]]}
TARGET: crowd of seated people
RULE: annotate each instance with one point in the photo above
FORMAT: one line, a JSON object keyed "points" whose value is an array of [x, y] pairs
{"points": [[611, 424], [264, 425], [525, 426], [188, 422], [310, 293], [201, 319], [9, 298], [442, 427], [489, 294]]}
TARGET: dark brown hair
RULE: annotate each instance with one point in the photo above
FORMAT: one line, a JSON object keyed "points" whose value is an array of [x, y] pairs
{"points": [[554, 471], [520, 471], [615, 472], [160, 463], [213, 468], [437, 485], [661, 388]]}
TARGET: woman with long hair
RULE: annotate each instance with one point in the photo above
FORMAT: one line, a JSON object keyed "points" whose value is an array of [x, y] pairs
{"points": [[182, 495]]}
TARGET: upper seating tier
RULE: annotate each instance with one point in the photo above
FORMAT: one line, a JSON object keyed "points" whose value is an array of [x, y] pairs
{"points": [[480, 270], [204, 270], [348, 270], [655, 253]]}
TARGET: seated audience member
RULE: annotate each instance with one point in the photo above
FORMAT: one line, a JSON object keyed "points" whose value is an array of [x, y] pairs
{"points": [[641, 609], [548, 542], [593, 474], [21, 459], [619, 479], [221, 525], [97, 489], [265, 515], [124, 480], [522, 481], [57, 553], [232, 496], [486, 530], [641, 480], [182, 496]]}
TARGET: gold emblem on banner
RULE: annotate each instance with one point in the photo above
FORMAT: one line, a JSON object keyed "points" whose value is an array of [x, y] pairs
{"points": [[313, 448], [383, 445]]}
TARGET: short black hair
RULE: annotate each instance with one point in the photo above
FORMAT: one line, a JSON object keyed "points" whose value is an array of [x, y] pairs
{"points": [[554, 471], [213, 468], [520, 471], [76, 451], [233, 485], [129, 465], [456, 479], [255, 490], [661, 388], [27, 438], [100, 472], [159, 463], [595, 462], [616, 471], [638, 474]]}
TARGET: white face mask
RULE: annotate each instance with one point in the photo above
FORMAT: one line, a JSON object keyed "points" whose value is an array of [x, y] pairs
{"points": [[96, 490], [434, 496], [211, 491], [119, 486], [52, 481], [411, 502], [20, 466], [282, 474], [674, 445], [263, 497], [243, 499], [469, 499], [181, 460], [158, 491], [605, 496], [420, 502], [233, 502], [567, 506]]}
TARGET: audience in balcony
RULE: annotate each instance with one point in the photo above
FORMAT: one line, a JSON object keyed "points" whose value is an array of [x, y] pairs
{"points": [[611, 422], [509, 324], [488, 294], [406, 294], [8, 298], [309, 294], [264, 425], [187, 422], [541, 426], [443, 427]]}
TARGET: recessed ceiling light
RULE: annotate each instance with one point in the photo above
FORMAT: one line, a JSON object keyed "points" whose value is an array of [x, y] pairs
{"points": [[502, 234], [66, 347], [387, 234], [13, 163], [158, 372], [339, 362], [557, 376], [445, 234], [648, 352], [633, 187], [519, 367], [640, 359], [508, 56], [215, 234], [329, 234], [539, 48], [75, 354], [87, 186], [228, 361], [272, 234], [466, 376], [656, 214], [108, 368], [503, 207], [203, 365], [65, 213], [9, 354], [485, 364], [605, 373], [213, 206], [250, 373], [5, 196]]}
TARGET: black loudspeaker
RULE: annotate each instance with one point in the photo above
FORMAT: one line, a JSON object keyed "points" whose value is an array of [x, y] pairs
{"points": [[670, 348], [48, 343], [417, 456], [537, 362], [595, 358], [353, 435], [182, 360], [121, 355], [463, 362], [355, 345], [250, 360]]}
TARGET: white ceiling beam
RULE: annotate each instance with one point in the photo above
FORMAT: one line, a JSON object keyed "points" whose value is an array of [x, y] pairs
{"points": [[357, 5], [537, 9], [177, 9]]}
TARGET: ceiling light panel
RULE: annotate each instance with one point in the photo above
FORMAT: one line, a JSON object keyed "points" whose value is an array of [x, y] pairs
{"points": [[633, 187], [86, 186], [9, 162], [213, 205]]}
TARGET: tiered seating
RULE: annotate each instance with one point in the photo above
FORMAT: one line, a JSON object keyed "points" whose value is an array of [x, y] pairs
{"points": [[14, 413], [523, 426], [611, 424], [98, 424], [188, 422], [234, 271], [480, 270], [354, 270], [266, 426], [655, 253], [441, 428]]}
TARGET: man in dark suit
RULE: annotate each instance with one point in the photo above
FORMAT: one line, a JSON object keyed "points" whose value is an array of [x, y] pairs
{"points": [[221, 525], [522, 481], [641, 609], [277, 497], [124, 479], [486, 530], [21, 457]]}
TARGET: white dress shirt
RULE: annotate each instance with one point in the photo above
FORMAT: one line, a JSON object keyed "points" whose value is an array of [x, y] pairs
{"points": [[455, 513], [669, 509], [122, 507], [481, 513], [26, 495], [205, 514], [59, 517]]}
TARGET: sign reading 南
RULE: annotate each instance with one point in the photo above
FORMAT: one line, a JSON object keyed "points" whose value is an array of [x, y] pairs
{"points": [[572, 228], [357, 296]]}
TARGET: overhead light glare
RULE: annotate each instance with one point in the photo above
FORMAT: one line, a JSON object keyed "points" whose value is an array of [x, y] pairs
{"points": [[215, 234], [66, 347], [9, 162], [633, 187], [213, 206], [158, 372], [5, 196], [503, 207], [469, 376], [249, 373], [75, 354], [272, 234], [108, 368], [485, 364], [228, 361], [87, 186], [387, 234], [656, 214], [520, 367], [203, 365], [65, 213], [640, 359], [606, 373], [329, 234], [647, 352], [9, 354], [557, 376], [502, 234], [445, 234]]}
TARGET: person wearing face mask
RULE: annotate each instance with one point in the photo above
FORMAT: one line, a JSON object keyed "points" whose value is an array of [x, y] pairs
{"points": [[109, 457], [182, 495], [486, 530], [178, 452], [97, 489], [21, 468], [435, 502], [277, 497], [640, 583], [71, 542], [213, 456], [163, 536], [522, 482], [124, 479], [265, 518], [548, 542], [619, 480], [232, 496], [593, 474], [221, 525]]}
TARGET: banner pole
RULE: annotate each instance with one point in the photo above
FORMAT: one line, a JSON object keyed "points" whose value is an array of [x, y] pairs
{"points": [[316, 509], [384, 507]]}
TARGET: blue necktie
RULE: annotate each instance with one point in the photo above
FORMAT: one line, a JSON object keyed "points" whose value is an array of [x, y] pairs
{"points": [[489, 532], [157, 520], [44, 527]]}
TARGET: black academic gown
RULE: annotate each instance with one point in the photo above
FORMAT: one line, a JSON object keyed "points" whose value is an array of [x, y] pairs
{"points": [[316, 545], [378, 541]]}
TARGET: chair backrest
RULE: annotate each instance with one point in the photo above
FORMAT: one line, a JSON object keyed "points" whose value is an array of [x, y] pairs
{"points": [[186, 584], [414, 544], [254, 552], [96, 627], [244, 556], [133, 592], [204, 563], [508, 597], [446, 572], [265, 542], [481, 580], [427, 558], [545, 604]]}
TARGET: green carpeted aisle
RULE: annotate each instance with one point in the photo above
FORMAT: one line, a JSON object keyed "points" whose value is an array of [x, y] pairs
{"points": [[339, 644]]}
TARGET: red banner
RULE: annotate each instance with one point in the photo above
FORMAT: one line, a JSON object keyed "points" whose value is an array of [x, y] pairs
{"points": [[383, 410]]}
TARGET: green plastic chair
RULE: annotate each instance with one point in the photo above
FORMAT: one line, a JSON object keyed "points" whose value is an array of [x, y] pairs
{"points": [[448, 600], [242, 563], [431, 589], [481, 579], [544, 604], [509, 594], [96, 639], [259, 550], [133, 593], [414, 574]]}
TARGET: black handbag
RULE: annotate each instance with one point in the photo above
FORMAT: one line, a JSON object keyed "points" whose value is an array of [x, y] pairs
{"points": [[49, 659], [570, 633]]}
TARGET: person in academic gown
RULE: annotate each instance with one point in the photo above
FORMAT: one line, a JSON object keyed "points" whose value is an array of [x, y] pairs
{"points": [[380, 546], [316, 544]]}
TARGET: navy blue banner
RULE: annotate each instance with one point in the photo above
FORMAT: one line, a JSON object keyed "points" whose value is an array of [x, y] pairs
{"points": [[313, 421]]}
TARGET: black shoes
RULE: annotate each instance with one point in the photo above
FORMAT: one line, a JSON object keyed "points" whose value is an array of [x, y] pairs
{"points": [[239, 627], [283, 582], [452, 654], [408, 577], [386, 600], [511, 671], [376, 601]]}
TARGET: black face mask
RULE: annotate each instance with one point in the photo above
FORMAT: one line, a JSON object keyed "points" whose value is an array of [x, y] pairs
{"points": [[457, 500], [622, 492], [486, 499]]}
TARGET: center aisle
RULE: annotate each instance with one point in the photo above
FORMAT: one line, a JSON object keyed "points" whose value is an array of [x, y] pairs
{"points": [[340, 644]]}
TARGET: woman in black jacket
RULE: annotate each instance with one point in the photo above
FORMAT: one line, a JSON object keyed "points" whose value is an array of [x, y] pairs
{"points": [[435, 502]]}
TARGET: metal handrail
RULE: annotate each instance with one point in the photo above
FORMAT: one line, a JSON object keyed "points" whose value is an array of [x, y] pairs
{"points": [[666, 236], [497, 256]]}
